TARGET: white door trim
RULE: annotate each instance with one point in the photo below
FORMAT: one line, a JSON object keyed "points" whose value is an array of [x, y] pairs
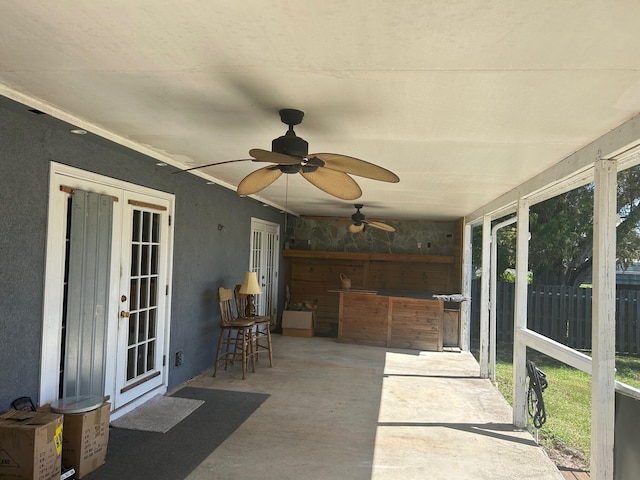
{"points": [[54, 268]]}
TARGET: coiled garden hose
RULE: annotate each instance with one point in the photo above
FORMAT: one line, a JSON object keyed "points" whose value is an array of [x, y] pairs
{"points": [[537, 384]]}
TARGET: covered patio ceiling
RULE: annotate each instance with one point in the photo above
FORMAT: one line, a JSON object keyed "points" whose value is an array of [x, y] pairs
{"points": [[463, 100]]}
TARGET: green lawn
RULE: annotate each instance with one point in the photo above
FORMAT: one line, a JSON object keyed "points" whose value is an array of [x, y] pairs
{"points": [[567, 399]]}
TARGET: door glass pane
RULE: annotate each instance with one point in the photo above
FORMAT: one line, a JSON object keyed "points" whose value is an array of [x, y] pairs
{"points": [[140, 368], [133, 322], [146, 227], [133, 294], [144, 292], [152, 321], [145, 254], [154, 259], [144, 261], [151, 355], [153, 290], [156, 228], [142, 327], [135, 262], [135, 231], [131, 363]]}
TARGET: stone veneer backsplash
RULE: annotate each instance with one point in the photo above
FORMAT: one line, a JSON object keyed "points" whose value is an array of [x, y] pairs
{"points": [[331, 234]]}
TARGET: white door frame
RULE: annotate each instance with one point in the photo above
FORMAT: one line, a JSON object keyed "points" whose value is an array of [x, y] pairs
{"points": [[63, 175], [266, 228]]}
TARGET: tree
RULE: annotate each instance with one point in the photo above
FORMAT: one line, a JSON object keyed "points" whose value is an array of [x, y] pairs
{"points": [[562, 238], [561, 246]]}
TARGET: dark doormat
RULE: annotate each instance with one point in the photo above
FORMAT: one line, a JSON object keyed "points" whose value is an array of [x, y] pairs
{"points": [[173, 455]]}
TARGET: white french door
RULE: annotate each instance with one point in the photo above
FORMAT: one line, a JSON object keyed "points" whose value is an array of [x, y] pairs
{"points": [[137, 280], [264, 258], [142, 315]]}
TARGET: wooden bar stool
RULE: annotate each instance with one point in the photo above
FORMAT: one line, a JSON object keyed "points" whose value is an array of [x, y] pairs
{"points": [[262, 331], [236, 332]]}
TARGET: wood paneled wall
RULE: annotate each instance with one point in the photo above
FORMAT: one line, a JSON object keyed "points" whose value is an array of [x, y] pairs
{"points": [[311, 275]]}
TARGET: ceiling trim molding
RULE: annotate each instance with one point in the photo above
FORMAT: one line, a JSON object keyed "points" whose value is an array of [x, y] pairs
{"points": [[78, 122]]}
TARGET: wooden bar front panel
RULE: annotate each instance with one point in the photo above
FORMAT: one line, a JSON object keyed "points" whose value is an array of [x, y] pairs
{"points": [[416, 324], [367, 319], [390, 321]]}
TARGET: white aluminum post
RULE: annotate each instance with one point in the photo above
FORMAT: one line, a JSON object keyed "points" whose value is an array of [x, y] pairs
{"points": [[484, 296], [520, 317], [465, 307], [603, 313]]}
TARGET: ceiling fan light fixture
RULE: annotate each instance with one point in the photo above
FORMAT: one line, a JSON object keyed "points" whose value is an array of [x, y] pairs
{"points": [[356, 228]]}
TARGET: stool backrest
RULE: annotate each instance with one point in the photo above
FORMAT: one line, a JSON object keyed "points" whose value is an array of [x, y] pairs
{"points": [[226, 308], [241, 301]]}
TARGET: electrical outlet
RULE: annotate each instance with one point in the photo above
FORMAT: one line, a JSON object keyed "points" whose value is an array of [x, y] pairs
{"points": [[179, 358], [419, 244]]}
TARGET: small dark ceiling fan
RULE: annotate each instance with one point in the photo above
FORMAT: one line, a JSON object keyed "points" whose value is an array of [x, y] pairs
{"points": [[359, 222], [330, 172]]}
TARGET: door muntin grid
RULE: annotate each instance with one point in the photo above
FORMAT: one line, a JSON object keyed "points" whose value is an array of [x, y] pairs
{"points": [[142, 334]]}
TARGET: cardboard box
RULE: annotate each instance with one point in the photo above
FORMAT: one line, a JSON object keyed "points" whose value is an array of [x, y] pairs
{"points": [[298, 323], [85, 439], [30, 445]]}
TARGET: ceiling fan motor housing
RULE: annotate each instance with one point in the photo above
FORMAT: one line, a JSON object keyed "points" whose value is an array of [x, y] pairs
{"points": [[357, 218], [290, 144]]}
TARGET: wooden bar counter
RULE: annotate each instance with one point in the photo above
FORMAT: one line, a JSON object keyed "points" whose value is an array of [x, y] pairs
{"points": [[374, 318]]}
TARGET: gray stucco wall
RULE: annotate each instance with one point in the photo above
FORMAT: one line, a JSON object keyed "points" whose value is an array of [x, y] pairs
{"points": [[204, 257]]}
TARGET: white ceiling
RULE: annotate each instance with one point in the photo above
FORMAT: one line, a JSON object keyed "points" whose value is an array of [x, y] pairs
{"points": [[463, 100]]}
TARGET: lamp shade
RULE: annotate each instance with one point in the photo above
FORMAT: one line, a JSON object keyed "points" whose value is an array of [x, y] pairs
{"points": [[250, 284]]}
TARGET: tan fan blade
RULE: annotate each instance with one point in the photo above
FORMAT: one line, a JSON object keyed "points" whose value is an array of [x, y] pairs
{"points": [[266, 156], [334, 183], [353, 228], [258, 180], [381, 226], [355, 166]]}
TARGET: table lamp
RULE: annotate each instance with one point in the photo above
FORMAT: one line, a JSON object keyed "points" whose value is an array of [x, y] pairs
{"points": [[250, 288]]}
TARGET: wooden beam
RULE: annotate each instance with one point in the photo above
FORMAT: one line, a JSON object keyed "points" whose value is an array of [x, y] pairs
{"points": [[520, 317], [467, 275], [484, 297], [556, 350], [603, 330], [378, 257]]}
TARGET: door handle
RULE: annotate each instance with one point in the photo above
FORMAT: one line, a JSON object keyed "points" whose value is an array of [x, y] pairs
{"points": [[124, 314]]}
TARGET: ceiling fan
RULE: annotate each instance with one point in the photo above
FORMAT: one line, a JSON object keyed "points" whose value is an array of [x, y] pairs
{"points": [[359, 222], [330, 172]]}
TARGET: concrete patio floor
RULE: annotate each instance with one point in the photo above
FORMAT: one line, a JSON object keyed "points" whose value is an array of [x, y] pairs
{"points": [[341, 411]]}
